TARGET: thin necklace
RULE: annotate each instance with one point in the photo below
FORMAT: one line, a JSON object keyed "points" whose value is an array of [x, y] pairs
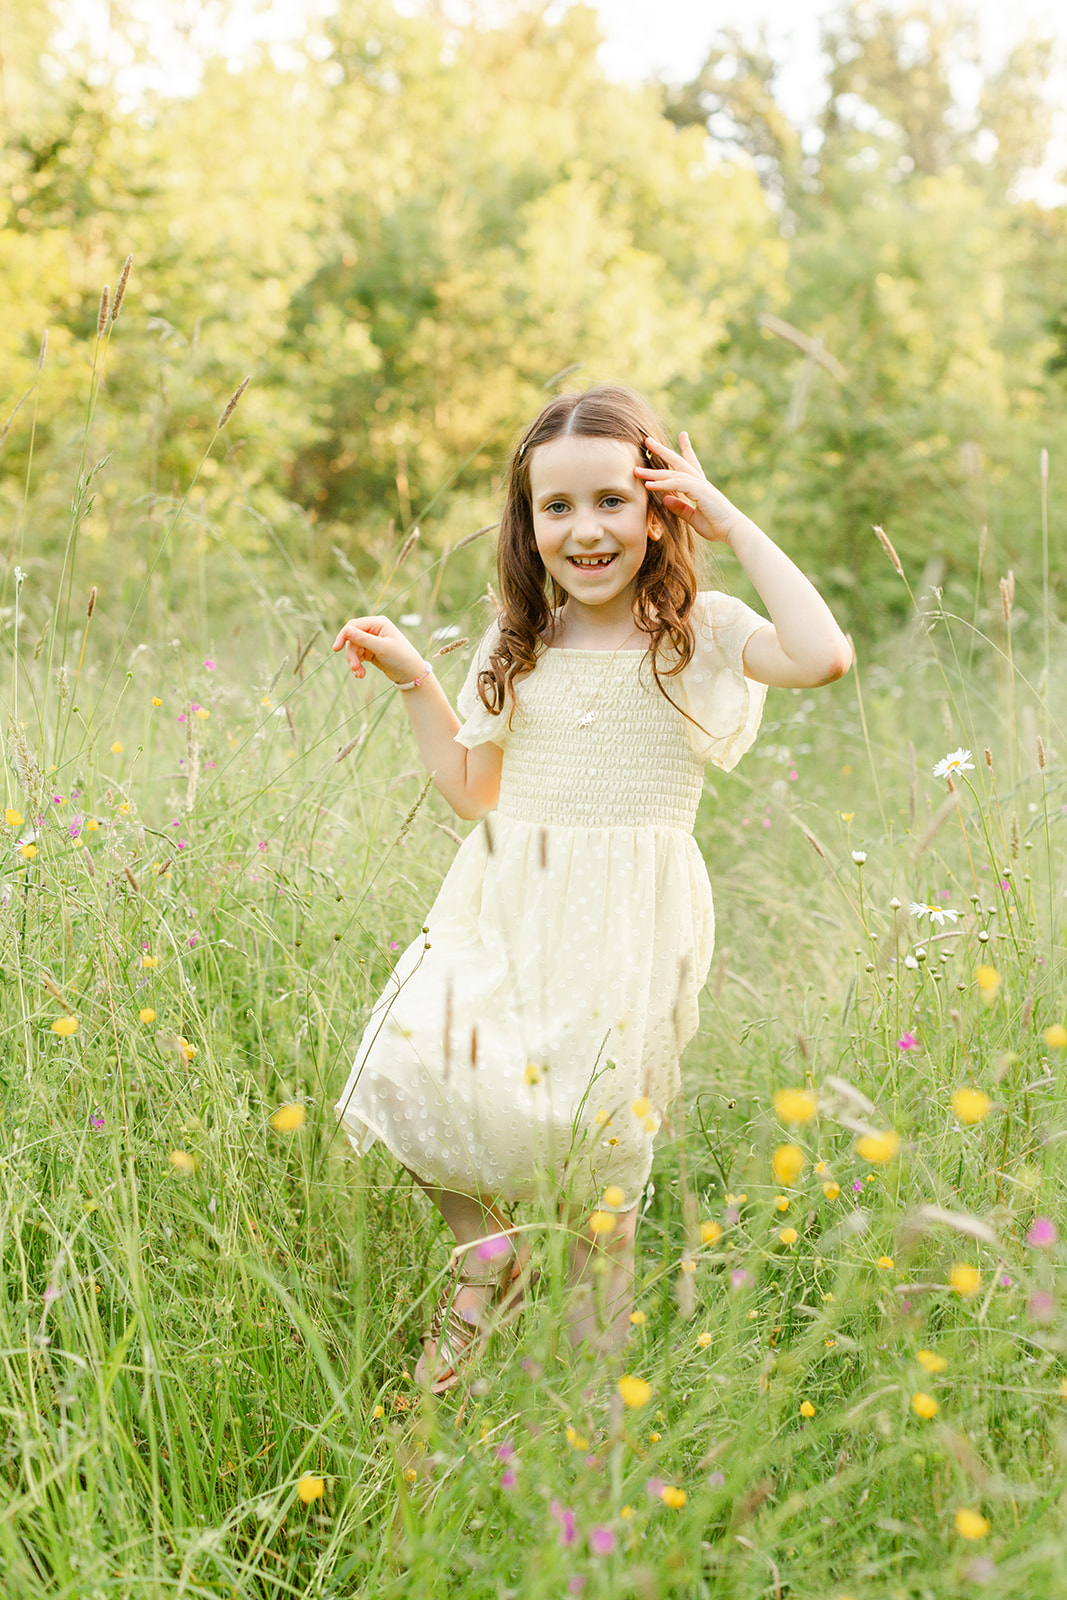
{"points": [[587, 717]]}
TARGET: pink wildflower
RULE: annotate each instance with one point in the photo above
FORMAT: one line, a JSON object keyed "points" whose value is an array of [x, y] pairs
{"points": [[1042, 1233], [1042, 1307], [907, 1041], [602, 1541], [568, 1523]]}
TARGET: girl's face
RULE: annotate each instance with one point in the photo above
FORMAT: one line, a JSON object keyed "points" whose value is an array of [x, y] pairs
{"points": [[591, 522]]}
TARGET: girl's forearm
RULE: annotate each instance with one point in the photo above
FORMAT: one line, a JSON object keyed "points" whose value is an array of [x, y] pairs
{"points": [[467, 786], [814, 650]]}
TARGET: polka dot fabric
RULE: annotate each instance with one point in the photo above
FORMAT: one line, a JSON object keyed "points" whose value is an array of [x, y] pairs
{"points": [[557, 985]]}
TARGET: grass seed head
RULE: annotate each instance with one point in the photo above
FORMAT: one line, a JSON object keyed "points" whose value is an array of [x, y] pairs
{"points": [[101, 315], [886, 544], [120, 292], [232, 403]]}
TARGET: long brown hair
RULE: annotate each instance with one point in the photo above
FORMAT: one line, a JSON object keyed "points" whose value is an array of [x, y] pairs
{"points": [[667, 580]]}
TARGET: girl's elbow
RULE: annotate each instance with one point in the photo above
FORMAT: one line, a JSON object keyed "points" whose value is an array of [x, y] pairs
{"points": [[839, 664]]}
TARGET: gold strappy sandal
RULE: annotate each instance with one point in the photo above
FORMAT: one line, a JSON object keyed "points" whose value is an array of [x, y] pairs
{"points": [[457, 1339]]}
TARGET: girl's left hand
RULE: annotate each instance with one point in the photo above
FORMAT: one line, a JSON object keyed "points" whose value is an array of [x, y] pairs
{"points": [[686, 491]]}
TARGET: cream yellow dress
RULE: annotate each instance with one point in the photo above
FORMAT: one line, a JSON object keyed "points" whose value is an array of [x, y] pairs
{"points": [[529, 1043]]}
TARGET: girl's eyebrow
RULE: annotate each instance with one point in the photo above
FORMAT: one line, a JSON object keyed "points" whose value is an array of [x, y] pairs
{"points": [[565, 494]]}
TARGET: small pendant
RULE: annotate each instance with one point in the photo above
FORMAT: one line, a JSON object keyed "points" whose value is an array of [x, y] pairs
{"points": [[587, 720]]}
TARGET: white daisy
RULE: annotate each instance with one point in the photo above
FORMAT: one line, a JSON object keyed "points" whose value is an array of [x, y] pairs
{"points": [[859, 857], [955, 761], [935, 913]]}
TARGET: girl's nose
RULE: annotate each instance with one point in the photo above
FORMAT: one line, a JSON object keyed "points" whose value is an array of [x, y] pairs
{"points": [[586, 527]]}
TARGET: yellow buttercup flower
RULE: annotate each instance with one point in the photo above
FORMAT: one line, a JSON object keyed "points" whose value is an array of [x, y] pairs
{"points": [[638, 1318], [795, 1105], [878, 1147], [788, 1163], [183, 1162], [806, 1408], [1056, 1036], [203, 713], [288, 1118], [965, 1279], [614, 1196], [885, 1262], [703, 1340], [156, 701], [13, 818], [788, 1235], [146, 1014], [641, 1107], [971, 1524], [28, 851], [781, 1203], [635, 1391], [971, 1105], [188, 1050], [310, 1488], [116, 748], [149, 961], [709, 1232], [930, 1361], [988, 980], [675, 1498], [602, 1222], [831, 1190], [924, 1405], [65, 1026]]}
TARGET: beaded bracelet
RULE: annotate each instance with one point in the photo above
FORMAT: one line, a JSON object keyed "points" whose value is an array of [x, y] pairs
{"points": [[405, 688]]}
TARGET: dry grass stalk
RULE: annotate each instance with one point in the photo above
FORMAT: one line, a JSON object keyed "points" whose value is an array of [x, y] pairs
{"points": [[91, 607], [469, 538], [409, 543], [959, 1221], [887, 545], [120, 292], [350, 746], [132, 881], [1007, 595], [815, 845], [937, 821], [848, 1092], [42, 352], [6, 429], [453, 644], [231, 404], [449, 833], [101, 315], [989, 758], [1014, 837], [1041, 752], [303, 653]]}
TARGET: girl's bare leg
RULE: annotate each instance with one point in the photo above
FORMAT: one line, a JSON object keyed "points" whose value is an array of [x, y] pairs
{"points": [[471, 1218], [601, 1285]]}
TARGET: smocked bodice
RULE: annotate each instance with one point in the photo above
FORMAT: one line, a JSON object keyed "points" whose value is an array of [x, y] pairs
{"points": [[595, 744]]}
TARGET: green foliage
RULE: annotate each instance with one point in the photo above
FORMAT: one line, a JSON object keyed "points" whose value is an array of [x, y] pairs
{"points": [[407, 231]]}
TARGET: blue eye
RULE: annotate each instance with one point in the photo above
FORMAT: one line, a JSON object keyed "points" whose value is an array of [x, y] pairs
{"points": [[556, 505], [612, 500]]}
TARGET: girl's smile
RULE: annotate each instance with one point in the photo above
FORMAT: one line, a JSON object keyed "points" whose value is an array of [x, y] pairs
{"points": [[590, 517]]}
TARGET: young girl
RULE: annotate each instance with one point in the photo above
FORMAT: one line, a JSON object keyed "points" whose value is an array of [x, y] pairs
{"points": [[529, 1042]]}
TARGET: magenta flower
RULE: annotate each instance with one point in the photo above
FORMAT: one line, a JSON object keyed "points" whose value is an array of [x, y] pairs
{"points": [[494, 1249], [193, 940], [50, 1294], [209, 664], [1042, 1233], [655, 1487], [716, 1480], [576, 1584], [602, 1541], [505, 1451], [262, 845], [907, 1041], [509, 1478], [1042, 1307], [1006, 1282], [857, 1187], [96, 1120], [738, 1278], [568, 1523]]}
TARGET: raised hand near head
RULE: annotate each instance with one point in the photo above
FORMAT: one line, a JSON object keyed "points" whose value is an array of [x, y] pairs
{"points": [[686, 491]]}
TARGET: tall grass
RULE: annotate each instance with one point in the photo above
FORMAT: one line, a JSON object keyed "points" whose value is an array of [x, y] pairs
{"points": [[850, 1316]]}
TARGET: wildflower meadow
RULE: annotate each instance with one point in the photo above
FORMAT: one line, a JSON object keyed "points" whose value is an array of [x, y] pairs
{"points": [[846, 1377]]}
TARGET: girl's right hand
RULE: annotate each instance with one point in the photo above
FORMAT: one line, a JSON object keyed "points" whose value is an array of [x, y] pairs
{"points": [[379, 641]]}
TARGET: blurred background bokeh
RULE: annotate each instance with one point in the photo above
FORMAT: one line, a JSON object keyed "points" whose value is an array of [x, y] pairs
{"points": [[829, 241]]}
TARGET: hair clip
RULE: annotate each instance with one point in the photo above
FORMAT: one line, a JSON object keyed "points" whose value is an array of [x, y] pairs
{"points": [[521, 451]]}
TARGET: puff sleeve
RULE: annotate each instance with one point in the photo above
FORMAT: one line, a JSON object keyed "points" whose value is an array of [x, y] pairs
{"points": [[479, 726], [727, 705]]}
